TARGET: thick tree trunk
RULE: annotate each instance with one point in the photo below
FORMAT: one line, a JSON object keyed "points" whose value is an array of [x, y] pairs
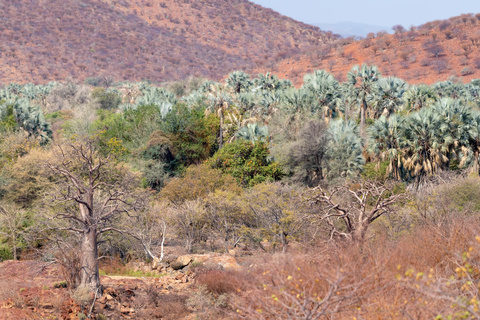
{"points": [[189, 245], [283, 235], [89, 275], [359, 234]]}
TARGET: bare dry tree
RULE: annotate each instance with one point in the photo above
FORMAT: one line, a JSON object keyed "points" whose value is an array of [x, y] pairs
{"points": [[355, 206], [95, 190]]}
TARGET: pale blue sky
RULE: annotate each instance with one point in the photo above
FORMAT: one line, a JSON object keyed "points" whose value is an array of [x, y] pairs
{"points": [[374, 12]]}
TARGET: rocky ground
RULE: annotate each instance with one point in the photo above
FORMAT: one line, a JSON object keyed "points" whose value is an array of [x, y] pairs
{"points": [[35, 290]]}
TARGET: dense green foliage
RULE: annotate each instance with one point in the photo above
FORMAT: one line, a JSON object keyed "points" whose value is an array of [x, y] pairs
{"points": [[248, 162]]}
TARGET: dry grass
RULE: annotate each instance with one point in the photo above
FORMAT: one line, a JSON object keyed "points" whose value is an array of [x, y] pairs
{"points": [[222, 281], [406, 278]]}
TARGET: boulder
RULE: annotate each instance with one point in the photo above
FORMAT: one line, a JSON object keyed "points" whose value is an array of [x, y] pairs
{"points": [[181, 262], [225, 261]]}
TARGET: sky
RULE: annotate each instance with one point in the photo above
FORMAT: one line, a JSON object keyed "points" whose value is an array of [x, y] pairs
{"points": [[374, 12]]}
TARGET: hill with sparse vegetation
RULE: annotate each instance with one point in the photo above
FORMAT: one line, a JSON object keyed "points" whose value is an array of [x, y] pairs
{"points": [[434, 51], [41, 41]]}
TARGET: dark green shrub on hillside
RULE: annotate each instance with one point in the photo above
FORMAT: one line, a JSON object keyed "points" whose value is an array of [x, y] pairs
{"points": [[193, 135], [159, 161], [247, 162], [7, 119], [108, 100], [133, 127]]}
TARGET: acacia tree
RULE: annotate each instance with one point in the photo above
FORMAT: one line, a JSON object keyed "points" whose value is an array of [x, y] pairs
{"points": [[279, 212], [93, 191], [355, 207], [308, 155]]}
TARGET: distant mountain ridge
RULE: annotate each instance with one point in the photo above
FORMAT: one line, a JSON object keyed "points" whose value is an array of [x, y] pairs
{"points": [[347, 29], [44, 40]]}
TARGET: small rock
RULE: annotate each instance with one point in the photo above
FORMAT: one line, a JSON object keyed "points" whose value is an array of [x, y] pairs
{"points": [[102, 300], [180, 276], [126, 310], [46, 305], [110, 291]]}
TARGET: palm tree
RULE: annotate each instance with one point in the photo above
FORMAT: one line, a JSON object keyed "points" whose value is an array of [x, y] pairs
{"points": [[344, 150], [363, 80], [417, 97], [457, 119], [472, 93], [470, 153], [295, 100], [349, 99], [152, 95], [449, 89], [324, 91], [220, 102], [195, 100], [209, 87], [385, 143], [253, 132], [425, 143], [238, 81], [388, 95], [270, 100], [270, 82], [246, 101], [31, 119]]}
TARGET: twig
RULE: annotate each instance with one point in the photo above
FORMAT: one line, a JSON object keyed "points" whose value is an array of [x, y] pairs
{"points": [[94, 300]]}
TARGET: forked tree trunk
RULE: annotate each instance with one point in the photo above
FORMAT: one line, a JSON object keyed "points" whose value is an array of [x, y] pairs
{"points": [[358, 235], [89, 275]]}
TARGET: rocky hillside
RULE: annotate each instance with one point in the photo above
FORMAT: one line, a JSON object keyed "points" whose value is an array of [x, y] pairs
{"points": [[435, 51], [43, 40]]}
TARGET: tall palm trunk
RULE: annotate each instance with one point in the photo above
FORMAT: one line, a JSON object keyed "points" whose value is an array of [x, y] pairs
{"points": [[346, 112], [476, 167], [221, 128], [363, 111]]}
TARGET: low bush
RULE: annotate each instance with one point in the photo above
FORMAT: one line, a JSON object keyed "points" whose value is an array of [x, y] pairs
{"points": [[222, 281]]}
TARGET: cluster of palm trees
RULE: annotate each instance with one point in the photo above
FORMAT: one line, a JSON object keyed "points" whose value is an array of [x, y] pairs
{"points": [[417, 129], [443, 135], [21, 106]]}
